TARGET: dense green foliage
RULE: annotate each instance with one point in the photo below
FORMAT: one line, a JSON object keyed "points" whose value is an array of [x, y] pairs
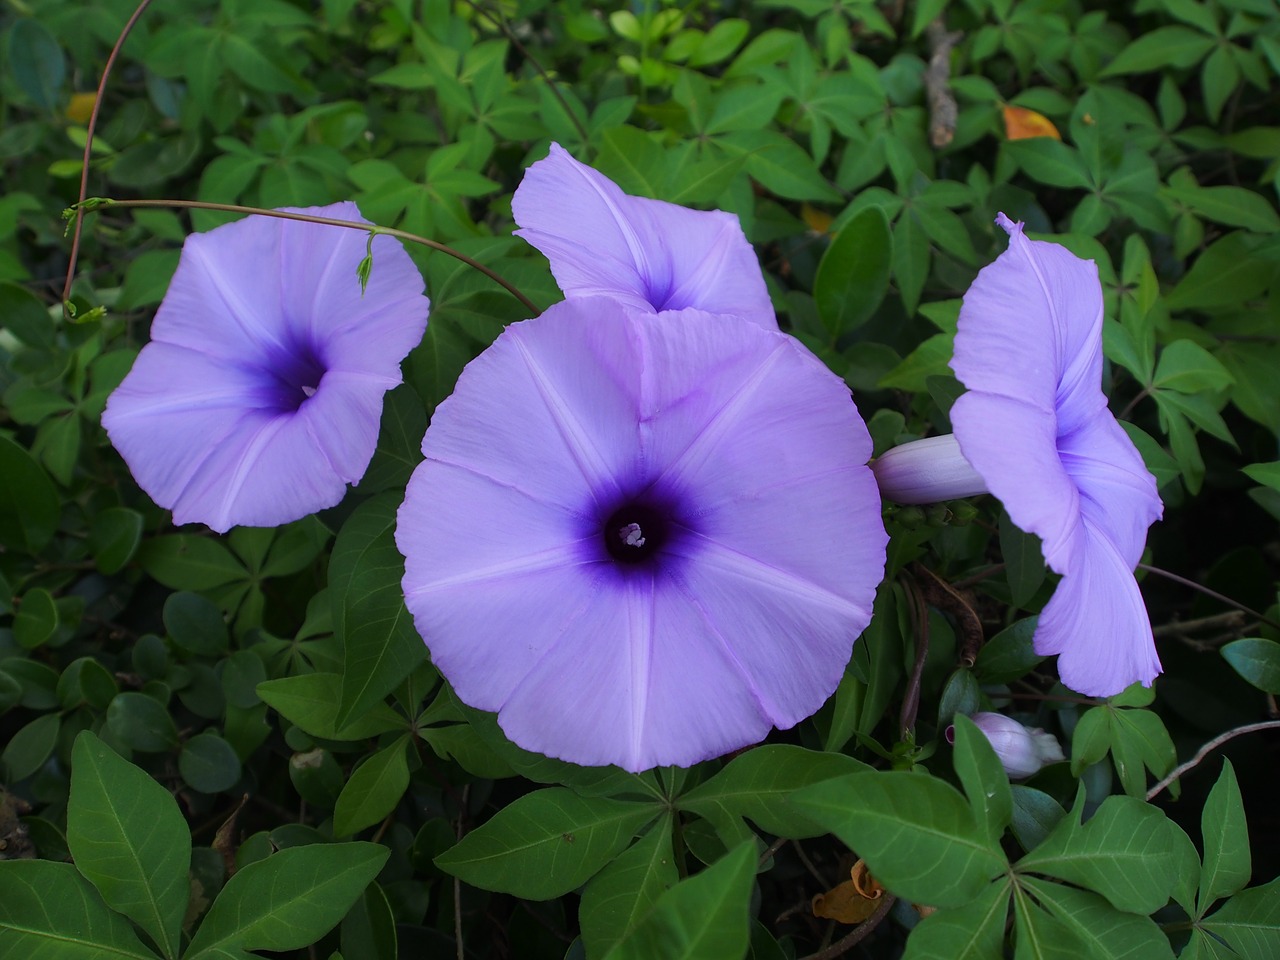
{"points": [[219, 745]]}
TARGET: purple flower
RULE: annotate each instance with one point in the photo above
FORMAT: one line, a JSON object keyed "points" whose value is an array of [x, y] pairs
{"points": [[1022, 750], [258, 398], [1034, 430], [647, 254], [642, 539]]}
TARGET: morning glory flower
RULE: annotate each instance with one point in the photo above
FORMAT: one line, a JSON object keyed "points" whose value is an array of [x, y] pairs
{"points": [[648, 254], [642, 538], [1034, 430], [1022, 750], [259, 396]]}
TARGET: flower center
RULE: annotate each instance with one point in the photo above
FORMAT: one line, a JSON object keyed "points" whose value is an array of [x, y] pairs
{"points": [[634, 533], [296, 377]]}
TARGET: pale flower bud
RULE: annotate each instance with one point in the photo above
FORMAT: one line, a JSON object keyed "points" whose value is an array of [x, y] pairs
{"points": [[1022, 750], [926, 471]]}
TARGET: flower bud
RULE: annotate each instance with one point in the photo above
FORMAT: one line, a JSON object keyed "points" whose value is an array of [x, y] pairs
{"points": [[1021, 750]]}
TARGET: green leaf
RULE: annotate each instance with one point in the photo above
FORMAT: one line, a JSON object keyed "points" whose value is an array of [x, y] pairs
{"points": [[780, 165], [972, 932], [1227, 861], [141, 723], [287, 901], [1255, 659], [381, 646], [1233, 206], [195, 624], [1050, 162], [49, 912], [1187, 367], [1024, 562], [208, 763], [916, 833], [760, 783], [1160, 49], [1107, 932], [1009, 655], [1250, 922], [374, 789], [1225, 275], [36, 619], [546, 843], [617, 898], [310, 701], [114, 536], [930, 359], [30, 747], [1039, 935], [1123, 852], [130, 840], [37, 63], [1035, 814], [983, 778], [853, 274], [185, 562], [29, 504], [706, 916]]}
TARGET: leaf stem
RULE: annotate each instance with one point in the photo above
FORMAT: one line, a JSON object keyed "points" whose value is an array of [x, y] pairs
{"points": [[849, 941]]}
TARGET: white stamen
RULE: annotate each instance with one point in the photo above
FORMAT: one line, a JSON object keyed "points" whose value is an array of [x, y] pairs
{"points": [[309, 391], [631, 535]]}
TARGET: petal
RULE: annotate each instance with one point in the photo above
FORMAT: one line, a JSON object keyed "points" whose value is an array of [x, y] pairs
{"points": [[927, 471], [1117, 492], [1013, 445], [1030, 329], [550, 406], [1097, 623], [646, 253]]}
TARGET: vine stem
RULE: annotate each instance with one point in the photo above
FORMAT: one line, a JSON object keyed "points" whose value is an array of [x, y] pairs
{"points": [[848, 942], [96, 202], [1209, 748], [88, 145]]}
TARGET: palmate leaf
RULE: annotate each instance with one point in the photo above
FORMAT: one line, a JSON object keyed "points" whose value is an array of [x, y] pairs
{"points": [[1227, 860], [916, 833], [1249, 922], [380, 643], [49, 912], [1108, 933], [287, 901], [983, 778], [619, 896], [703, 918], [1124, 852], [759, 785], [972, 932], [130, 840], [546, 843]]}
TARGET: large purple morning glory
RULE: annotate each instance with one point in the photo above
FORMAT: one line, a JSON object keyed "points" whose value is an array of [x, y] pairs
{"points": [[258, 398], [642, 539], [1034, 430], [648, 254]]}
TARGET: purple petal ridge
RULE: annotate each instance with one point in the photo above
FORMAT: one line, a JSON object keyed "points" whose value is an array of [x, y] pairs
{"points": [[1035, 425], [259, 396], [648, 254], [736, 464]]}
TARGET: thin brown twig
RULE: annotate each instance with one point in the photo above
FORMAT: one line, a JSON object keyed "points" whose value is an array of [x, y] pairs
{"points": [[88, 144], [770, 850], [943, 111], [1209, 748], [849, 941], [326, 221], [457, 883], [1232, 618], [1209, 593]]}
